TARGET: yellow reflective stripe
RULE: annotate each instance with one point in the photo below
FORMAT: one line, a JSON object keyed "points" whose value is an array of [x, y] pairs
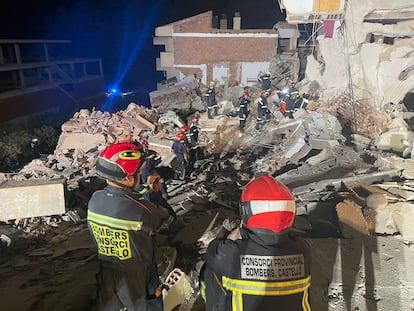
{"points": [[143, 189], [305, 301], [266, 288], [237, 301], [115, 222]]}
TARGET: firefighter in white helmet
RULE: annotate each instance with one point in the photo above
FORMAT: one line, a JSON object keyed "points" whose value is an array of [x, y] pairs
{"points": [[265, 267]]}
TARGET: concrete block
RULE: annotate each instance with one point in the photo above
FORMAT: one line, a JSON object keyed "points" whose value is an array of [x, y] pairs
{"points": [[179, 289], [32, 198], [351, 219], [384, 222], [365, 273], [82, 141], [403, 215]]}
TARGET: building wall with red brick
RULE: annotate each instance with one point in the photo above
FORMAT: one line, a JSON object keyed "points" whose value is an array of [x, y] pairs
{"points": [[198, 48]]}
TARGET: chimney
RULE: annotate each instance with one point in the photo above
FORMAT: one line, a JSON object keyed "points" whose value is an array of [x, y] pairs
{"points": [[223, 21], [236, 21], [215, 22]]}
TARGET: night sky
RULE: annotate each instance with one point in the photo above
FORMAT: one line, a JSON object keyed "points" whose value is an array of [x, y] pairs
{"points": [[120, 32]]}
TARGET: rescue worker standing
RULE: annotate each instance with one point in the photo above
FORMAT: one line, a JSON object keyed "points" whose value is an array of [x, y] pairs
{"points": [[243, 110], [290, 96], [193, 145], [265, 80], [122, 225], [210, 95], [266, 267], [263, 112], [181, 155]]}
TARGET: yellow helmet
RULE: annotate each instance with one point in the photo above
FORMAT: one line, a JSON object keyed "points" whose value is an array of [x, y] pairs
{"points": [[211, 84]]}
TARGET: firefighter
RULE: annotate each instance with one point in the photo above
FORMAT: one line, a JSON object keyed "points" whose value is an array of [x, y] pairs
{"points": [[188, 140], [149, 172], [263, 112], [122, 225], [210, 95], [290, 95], [193, 142], [243, 110], [264, 79], [181, 155], [264, 267], [187, 137]]}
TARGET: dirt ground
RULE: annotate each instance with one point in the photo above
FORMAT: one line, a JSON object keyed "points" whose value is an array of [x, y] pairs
{"points": [[56, 270]]}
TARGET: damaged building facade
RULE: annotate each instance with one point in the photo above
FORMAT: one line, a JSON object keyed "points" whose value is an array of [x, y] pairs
{"points": [[226, 56]]}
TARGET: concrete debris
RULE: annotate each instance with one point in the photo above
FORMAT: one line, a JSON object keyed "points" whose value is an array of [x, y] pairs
{"points": [[5, 239], [351, 219], [31, 199], [179, 289], [183, 95], [403, 214]]}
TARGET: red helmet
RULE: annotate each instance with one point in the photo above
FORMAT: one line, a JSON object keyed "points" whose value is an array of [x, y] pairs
{"points": [[118, 161], [184, 128], [145, 143], [179, 137], [267, 204]]}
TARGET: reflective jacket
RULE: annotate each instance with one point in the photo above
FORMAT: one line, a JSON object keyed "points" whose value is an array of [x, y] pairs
{"points": [[265, 81], [194, 136], [120, 223], [243, 107], [210, 95], [261, 271], [262, 110], [152, 159]]}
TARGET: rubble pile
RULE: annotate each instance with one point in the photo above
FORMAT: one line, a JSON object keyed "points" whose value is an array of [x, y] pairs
{"points": [[345, 192]]}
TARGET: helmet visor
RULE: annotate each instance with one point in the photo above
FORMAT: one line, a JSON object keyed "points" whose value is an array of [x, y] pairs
{"points": [[258, 207]]}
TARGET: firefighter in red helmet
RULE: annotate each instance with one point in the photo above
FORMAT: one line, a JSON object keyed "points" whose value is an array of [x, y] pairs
{"points": [[265, 266], [122, 225]]}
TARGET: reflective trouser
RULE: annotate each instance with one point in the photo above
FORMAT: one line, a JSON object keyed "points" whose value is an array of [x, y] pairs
{"points": [[261, 122], [240, 289], [125, 288], [193, 154], [180, 174], [212, 110]]}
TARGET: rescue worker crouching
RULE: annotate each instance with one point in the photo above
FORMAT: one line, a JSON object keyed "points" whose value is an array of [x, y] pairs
{"points": [[265, 267], [149, 172], [122, 225], [152, 186]]}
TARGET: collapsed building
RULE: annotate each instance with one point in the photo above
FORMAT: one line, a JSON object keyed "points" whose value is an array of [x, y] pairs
{"points": [[348, 158]]}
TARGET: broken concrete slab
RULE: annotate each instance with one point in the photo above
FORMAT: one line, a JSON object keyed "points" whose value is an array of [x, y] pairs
{"points": [[395, 139], [403, 215], [82, 141], [32, 198], [351, 220]]}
